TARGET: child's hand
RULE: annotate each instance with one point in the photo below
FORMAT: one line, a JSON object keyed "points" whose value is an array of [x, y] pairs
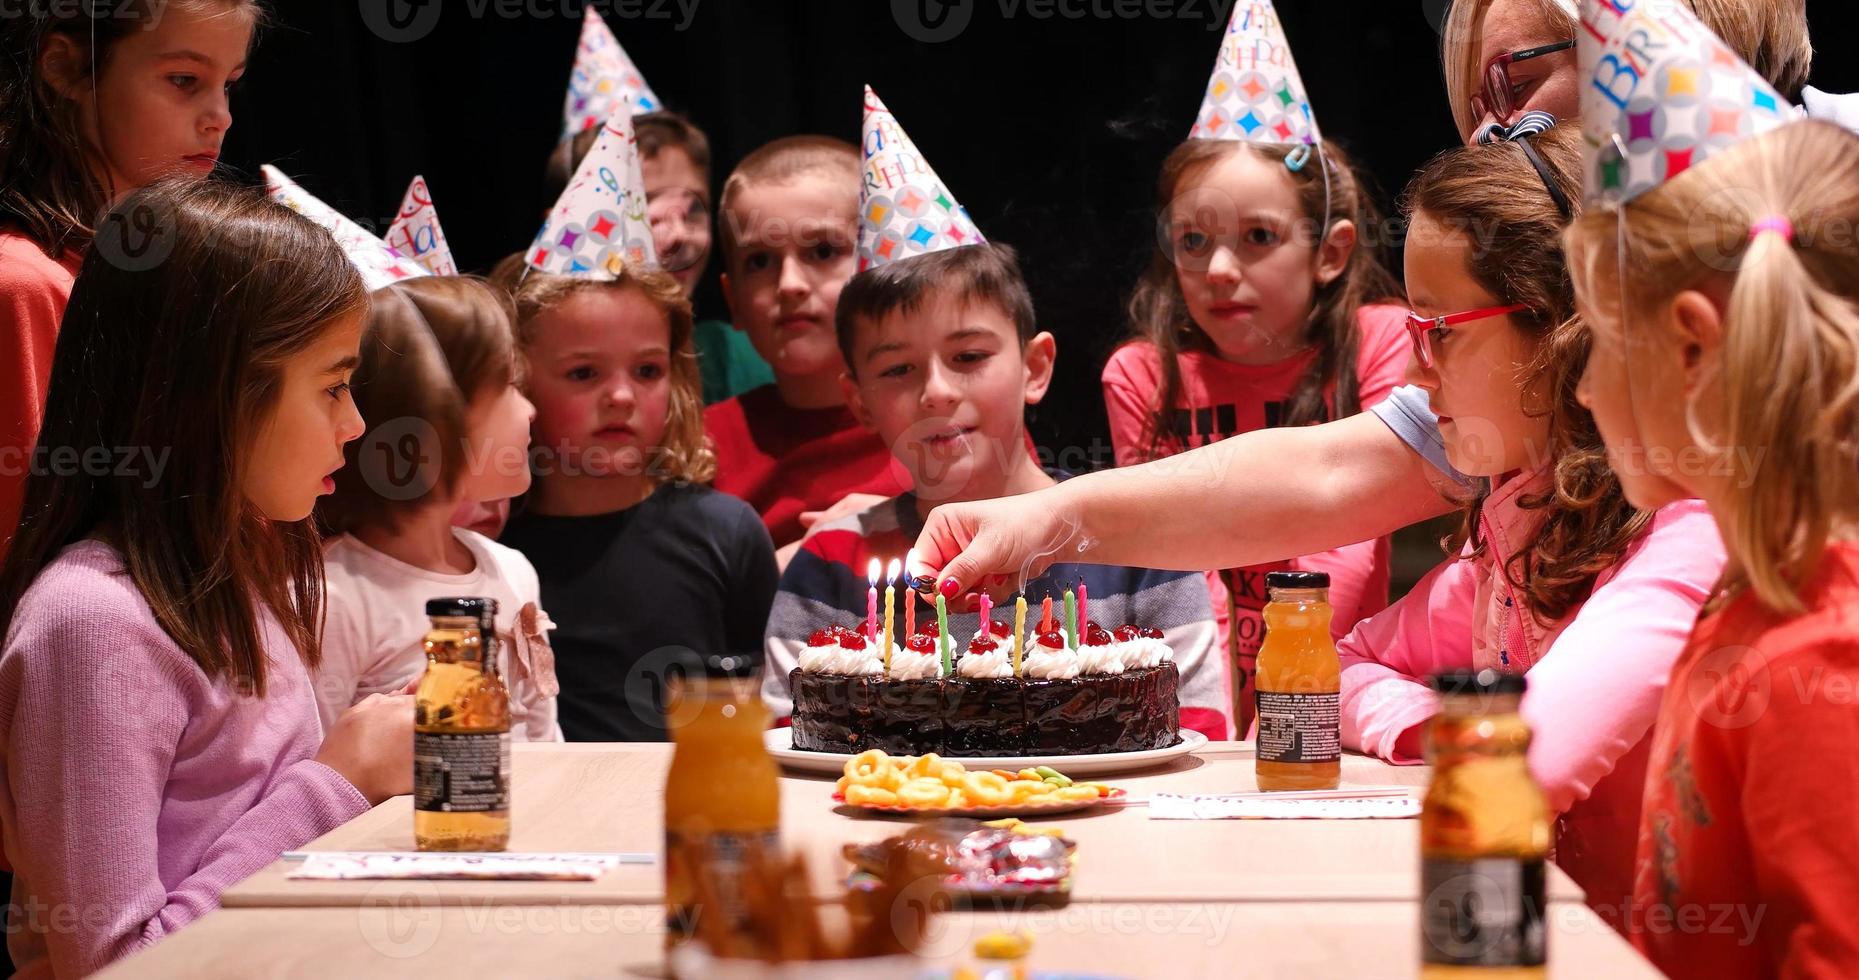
{"points": [[992, 546], [371, 745], [852, 503]]}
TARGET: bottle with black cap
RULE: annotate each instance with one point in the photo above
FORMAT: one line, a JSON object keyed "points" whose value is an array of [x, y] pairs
{"points": [[1298, 686], [461, 732], [1484, 834], [722, 799]]}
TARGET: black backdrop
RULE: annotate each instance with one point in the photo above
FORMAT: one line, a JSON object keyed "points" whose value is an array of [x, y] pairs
{"points": [[1047, 118]]}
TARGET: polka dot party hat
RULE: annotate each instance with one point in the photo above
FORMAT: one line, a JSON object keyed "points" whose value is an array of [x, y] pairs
{"points": [[377, 261], [604, 78], [1660, 94], [1255, 93], [598, 227], [904, 208]]}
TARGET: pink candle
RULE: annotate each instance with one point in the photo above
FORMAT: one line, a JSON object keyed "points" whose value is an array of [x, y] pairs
{"points": [[987, 610], [871, 604], [1082, 618]]}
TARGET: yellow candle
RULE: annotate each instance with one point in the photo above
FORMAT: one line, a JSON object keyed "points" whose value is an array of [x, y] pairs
{"points": [[1019, 631], [890, 605]]}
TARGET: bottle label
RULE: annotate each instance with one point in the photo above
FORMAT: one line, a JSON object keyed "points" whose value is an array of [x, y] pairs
{"points": [[1300, 727], [721, 859], [461, 772], [1484, 912]]}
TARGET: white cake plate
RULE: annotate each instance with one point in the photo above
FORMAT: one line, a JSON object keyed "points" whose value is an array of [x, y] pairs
{"points": [[780, 744]]}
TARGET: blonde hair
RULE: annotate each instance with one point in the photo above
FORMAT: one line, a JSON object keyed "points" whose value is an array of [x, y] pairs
{"points": [[684, 454], [782, 161], [1769, 34], [1789, 369]]}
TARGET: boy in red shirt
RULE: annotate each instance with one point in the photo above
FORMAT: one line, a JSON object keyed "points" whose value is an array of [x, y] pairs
{"points": [[792, 448]]}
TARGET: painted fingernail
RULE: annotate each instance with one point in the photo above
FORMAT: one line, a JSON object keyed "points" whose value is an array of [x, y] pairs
{"points": [[950, 588]]}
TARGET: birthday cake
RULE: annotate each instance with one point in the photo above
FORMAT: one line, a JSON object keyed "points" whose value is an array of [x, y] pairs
{"points": [[1111, 692]]}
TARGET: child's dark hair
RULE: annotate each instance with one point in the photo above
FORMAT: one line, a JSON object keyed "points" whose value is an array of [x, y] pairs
{"points": [[49, 185], [986, 273], [656, 132], [185, 357], [433, 345], [1159, 314], [1494, 196]]}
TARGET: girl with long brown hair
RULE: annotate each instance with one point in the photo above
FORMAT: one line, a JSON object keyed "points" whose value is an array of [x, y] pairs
{"points": [[160, 605], [1553, 573]]}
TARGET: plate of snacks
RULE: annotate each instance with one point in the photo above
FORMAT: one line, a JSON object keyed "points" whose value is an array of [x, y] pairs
{"points": [[971, 860], [932, 786]]}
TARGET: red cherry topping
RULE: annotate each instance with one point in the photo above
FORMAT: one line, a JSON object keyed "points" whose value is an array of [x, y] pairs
{"points": [[927, 627], [1053, 639], [1150, 633], [1094, 636], [999, 629], [921, 644], [821, 638], [982, 644], [1126, 633], [852, 641]]}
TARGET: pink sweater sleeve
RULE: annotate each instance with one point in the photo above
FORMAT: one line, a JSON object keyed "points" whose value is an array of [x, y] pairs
{"points": [[1387, 658], [96, 708], [1129, 391], [1596, 692]]}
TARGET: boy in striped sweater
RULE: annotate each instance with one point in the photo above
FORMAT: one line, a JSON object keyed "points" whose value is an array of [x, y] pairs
{"points": [[942, 359]]}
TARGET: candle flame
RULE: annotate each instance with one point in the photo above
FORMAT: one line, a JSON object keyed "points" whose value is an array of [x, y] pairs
{"points": [[893, 570], [871, 571]]}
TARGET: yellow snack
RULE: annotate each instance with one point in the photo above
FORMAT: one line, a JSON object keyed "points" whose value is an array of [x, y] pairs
{"points": [[986, 789], [1004, 945], [953, 775], [870, 796], [957, 799], [925, 765], [866, 764], [1023, 790], [1072, 794], [923, 792]]}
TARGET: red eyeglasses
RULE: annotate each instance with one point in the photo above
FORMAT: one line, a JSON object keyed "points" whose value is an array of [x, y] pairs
{"points": [[1420, 328], [1500, 93]]}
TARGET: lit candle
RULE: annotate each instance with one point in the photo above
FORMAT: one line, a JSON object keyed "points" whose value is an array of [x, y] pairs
{"points": [[1083, 619], [942, 626], [1071, 617], [871, 603], [1019, 629], [1045, 616], [910, 599], [890, 603]]}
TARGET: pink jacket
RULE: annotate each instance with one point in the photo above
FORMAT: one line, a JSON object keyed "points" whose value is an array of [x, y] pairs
{"points": [[1596, 675]]}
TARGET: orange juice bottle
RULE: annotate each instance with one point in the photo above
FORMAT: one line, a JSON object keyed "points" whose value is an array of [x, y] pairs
{"points": [[1484, 835], [722, 804], [1299, 686]]}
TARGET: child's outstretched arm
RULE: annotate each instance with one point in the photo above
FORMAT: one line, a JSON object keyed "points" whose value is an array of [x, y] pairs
{"points": [[1262, 496]]}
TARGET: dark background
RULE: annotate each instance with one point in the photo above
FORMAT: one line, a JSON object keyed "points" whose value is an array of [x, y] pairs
{"points": [[1050, 130]]}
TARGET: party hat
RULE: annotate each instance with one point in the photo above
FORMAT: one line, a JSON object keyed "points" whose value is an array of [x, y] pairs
{"points": [[604, 79], [598, 227], [1659, 94], [415, 232], [1255, 93], [377, 261], [904, 208]]}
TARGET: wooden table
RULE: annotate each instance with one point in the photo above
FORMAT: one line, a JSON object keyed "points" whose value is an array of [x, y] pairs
{"points": [[584, 797], [1228, 940]]}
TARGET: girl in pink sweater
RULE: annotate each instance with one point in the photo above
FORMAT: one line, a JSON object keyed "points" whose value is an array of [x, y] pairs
{"points": [[1555, 573], [158, 735]]}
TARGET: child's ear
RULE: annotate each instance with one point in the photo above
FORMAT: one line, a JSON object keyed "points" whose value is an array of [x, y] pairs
{"points": [[61, 64], [1041, 352], [1697, 323], [855, 400], [1333, 257]]}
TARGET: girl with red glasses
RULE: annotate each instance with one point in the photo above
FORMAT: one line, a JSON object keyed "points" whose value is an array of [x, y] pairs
{"points": [[1553, 572]]}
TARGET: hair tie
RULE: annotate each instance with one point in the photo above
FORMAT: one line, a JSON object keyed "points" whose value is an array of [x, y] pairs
{"points": [[1776, 223]]}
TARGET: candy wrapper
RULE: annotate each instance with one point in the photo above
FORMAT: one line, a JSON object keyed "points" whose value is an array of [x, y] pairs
{"points": [[973, 859]]}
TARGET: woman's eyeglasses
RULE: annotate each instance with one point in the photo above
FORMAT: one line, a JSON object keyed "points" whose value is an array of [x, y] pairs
{"points": [[1499, 95], [1421, 328]]}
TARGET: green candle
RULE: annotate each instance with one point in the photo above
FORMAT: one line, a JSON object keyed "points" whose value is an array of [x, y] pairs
{"points": [[942, 627], [1071, 617]]}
